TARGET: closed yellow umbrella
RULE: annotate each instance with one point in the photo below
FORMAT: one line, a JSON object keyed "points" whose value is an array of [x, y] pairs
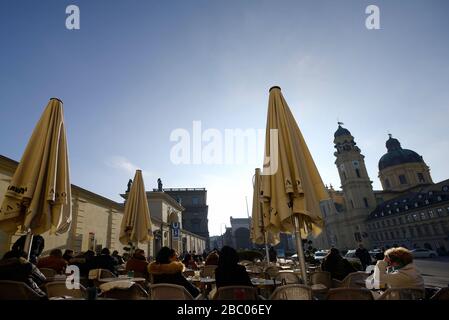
{"points": [[259, 234], [292, 189], [136, 224], [38, 198]]}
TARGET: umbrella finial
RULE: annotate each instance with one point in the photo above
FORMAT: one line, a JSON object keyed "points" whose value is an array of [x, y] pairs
{"points": [[54, 98], [274, 87]]}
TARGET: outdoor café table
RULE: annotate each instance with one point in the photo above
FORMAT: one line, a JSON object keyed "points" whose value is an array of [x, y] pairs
{"points": [[286, 267], [58, 277], [122, 278], [205, 284]]}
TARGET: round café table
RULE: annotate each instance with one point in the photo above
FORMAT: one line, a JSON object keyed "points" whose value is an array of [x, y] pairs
{"points": [[122, 278]]}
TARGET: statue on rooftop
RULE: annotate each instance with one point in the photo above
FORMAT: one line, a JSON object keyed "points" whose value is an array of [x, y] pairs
{"points": [[130, 182], [159, 185]]}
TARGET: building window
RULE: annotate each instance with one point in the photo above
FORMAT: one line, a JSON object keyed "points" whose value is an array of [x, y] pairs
{"points": [[352, 204], [388, 222], [195, 200], [357, 172], [404, 232], [440, 213], [394, 221], [387, 183], [420, 177], [401, 221], [402, 179], [412, 232], [423, 216], [377, 225], [415, 217], [391, 234], [418, 228], [344, 176], [365, 200], [410, 218], [383, 223]]}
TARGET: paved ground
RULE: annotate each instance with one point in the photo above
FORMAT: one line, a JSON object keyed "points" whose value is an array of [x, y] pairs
{"points": [[435, 271]]}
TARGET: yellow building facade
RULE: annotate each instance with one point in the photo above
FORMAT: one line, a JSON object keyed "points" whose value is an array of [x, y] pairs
{"points": [[96, 222]]}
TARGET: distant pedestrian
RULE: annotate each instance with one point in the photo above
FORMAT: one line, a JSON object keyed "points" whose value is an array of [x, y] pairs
{"points": [[273, 256], [364, 256]]}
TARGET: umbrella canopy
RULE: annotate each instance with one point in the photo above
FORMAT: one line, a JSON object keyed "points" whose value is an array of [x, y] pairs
{"points": [[38, 198], [295, 187], [258, 232], [136, 223]]}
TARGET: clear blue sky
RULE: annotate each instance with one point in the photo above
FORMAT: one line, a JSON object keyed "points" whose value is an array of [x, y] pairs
{"points": [[136, 70]]}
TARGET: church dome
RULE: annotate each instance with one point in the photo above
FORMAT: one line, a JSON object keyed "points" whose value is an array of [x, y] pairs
{"points": [[341, 132], [396, 155]]}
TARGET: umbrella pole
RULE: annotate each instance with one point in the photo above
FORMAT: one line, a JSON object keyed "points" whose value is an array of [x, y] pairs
{"points": [[267, 252], [301, 258], [28, 244]]}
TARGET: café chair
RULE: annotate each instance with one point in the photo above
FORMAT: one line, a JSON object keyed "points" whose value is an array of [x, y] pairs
{"points": [[292, 292], [403, 294], [352, 280], [134, 292], [237, 293], [167, 291], [272, 271], [349, 294], [47, 272], [321, 277], [208, 271], [59, 289], [14, 290], [441, 294], [287, 278]]}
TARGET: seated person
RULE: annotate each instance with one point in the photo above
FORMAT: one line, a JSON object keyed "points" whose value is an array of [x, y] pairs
{"points": [[189, 262], [15, 267], [54, 261], [117, 258], [397, 270], [37, 246], [338, 266], [138, 263], [229, 272], [212, 259], [167, 269], [68, 255], [104, 261]]}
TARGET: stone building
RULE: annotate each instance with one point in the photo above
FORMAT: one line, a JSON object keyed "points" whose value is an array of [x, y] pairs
{"points": [[410, 209], [195, 215], [96, 221]]}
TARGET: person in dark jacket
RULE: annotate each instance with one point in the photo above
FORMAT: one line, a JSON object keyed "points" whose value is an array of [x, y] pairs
{"points": [[15, 267], [68, 255], [118, 258], [37, 246], [105, 261], [167, 269], [229, 272], [338, 266], [212, 258], [364, 256], [272, 254], [189, 262], [138, 263]]}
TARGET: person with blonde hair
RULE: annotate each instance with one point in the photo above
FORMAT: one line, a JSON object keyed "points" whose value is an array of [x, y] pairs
{"points": [[397, 270]]}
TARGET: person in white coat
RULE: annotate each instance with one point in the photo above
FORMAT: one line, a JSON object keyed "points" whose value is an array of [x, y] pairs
{"points": [[397, 270]]}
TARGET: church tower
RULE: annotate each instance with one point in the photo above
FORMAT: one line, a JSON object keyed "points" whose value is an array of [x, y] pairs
{"points": [[355, 183]]}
